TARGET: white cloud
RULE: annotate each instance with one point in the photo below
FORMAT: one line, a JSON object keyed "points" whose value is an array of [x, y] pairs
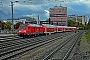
{"points": [[47, 13], [28, 7], [87, 3], [70, 8], [38, 2], [27, 15], [37, 5]]}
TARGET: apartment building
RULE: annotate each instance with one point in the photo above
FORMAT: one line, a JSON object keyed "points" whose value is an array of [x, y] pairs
{"points": [[58, 15]]}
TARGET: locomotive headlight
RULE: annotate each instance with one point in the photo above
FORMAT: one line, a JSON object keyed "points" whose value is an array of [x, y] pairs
{"points": [[24, 30], [19, 31]]}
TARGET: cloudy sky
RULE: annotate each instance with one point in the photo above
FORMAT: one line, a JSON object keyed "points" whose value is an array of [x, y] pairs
{"points": [[41, 7]]}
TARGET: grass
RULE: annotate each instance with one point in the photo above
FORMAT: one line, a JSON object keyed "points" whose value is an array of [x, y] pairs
{"points": [[79, 42], [87, 35], [89, 51], [81, 38]]}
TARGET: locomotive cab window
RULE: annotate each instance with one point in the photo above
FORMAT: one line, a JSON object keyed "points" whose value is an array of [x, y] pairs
{"points": [[23, 26]]}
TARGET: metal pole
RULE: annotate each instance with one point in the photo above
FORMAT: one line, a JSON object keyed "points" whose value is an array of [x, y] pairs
{"points": [[12, 17], [49, 21], [38, 19], [12, 3]]}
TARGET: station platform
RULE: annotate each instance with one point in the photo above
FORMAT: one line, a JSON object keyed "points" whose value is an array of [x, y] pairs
{"points": [[3, 35]]}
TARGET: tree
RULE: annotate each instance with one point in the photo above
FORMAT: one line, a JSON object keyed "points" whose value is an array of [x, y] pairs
{"points": [[33, 19], [17, 25], [7, 25], [76, 24], [70, 23], [88, 25], [81, 25], [2, 25]]}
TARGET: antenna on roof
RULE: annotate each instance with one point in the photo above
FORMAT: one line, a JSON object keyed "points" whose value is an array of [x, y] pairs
{"points": [[60, 4]]}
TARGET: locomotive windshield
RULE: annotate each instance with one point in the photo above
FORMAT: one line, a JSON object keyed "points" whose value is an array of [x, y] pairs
{"points": [[22, 26]]}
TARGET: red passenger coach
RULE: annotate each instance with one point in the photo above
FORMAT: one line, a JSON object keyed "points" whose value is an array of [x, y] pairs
{"points": [[74, 28], [36, 29], [66, 28], [49, 28], [59, 28]]}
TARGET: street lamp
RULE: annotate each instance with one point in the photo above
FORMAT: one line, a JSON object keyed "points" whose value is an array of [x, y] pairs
{"points": [[12, 3]]}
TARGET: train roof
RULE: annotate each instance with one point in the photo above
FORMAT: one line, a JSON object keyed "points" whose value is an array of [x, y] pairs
{"points": [[34, 25], [59, 26], [68, 27], [72, 27], [65, 26], [48, 25]]}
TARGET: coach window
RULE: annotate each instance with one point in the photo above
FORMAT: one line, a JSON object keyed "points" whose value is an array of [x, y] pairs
{"points": [[55, 29]]}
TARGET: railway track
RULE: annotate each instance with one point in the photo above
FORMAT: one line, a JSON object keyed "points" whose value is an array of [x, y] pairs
{"points": [[60, 51], [9, 38], [15, 47]]}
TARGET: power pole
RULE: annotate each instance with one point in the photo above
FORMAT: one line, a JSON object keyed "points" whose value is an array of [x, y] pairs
{"points": [[12, 17], [12, 3], [38, 20]]}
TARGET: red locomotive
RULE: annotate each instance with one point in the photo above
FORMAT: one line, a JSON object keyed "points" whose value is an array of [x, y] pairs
{"points": [[35, 29], [30, 29]]}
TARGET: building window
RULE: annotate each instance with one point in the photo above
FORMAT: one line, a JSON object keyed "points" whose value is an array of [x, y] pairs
{"points": [[59, 11]]}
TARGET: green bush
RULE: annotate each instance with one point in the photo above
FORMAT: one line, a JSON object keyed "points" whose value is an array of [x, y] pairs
{"points": [[81, 28], [79, 42], [87, 35]]}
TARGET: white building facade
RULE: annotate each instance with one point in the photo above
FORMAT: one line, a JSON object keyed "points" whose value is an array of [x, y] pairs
{"points": [[81, 19]]}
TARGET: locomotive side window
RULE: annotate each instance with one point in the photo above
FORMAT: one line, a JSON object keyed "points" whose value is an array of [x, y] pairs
{"points": [[34, 29], [22, 26]]}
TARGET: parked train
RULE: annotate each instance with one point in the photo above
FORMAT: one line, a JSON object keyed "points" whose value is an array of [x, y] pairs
{"points": [[35, 29]]}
